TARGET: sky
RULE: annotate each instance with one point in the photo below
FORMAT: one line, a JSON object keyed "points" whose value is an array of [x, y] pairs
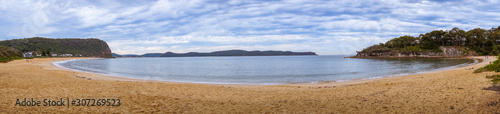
{"points": [[327, 27]]}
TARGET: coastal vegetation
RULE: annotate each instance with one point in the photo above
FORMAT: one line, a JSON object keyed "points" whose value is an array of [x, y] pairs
{"points": [[7, 54], [494, 66], [473, 42], [494, 78], [69, 46]]}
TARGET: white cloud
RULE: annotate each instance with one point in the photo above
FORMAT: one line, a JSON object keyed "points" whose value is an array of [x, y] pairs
{"points": [[328, 27], [92, 16]]}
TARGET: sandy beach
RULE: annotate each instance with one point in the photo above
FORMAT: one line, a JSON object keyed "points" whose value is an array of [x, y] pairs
{"points": [[448, 91]]}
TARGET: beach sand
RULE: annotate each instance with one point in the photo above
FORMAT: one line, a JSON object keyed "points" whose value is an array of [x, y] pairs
{"points": [[449, 91]]}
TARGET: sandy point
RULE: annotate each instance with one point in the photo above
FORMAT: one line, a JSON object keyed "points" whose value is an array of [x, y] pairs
{"points": [[448, 91]]}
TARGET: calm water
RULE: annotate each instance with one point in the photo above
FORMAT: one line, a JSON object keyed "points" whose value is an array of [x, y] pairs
{"points": [[260, 69]]}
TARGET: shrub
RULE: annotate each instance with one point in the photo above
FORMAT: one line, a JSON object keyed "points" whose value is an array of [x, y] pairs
{"points": [[412, 48], [7, 54], [494, 78], [376, 48], [495, 66]]}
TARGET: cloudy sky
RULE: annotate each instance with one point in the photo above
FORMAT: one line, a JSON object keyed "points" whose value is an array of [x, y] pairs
{"points": [[327, 27]]}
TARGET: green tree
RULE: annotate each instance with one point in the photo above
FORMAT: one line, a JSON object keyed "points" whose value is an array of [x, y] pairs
{"points": [[8, 54], [477, 40], [494, 36], [44, 53], [496, 49], [457, 36], [438, 36], [401, 42], [427, 42]]}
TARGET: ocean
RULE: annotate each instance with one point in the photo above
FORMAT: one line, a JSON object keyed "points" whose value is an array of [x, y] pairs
{"points": [[260, 70]]}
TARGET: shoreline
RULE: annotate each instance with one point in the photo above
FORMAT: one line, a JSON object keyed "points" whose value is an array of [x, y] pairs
{"points": [[119, 78], [480, 59], [456, 90], [392, 57]]}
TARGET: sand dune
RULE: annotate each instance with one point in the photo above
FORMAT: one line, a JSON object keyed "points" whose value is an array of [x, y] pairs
{"points": [[450, 91]]}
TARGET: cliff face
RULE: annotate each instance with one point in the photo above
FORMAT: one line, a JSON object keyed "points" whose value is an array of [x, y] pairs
{"points": [[446, 52], [104, 50], [76, 47]]}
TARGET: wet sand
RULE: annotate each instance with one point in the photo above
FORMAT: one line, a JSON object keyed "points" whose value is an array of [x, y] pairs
{"points": [[449, 91]]}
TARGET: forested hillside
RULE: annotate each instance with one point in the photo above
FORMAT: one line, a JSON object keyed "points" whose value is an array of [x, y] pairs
{"points": [[76, 47], [482, 41]]}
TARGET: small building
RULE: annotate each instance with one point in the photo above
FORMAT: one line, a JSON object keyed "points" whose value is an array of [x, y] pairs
{"points": [[67, 55], [54, 55], [28, 54]]}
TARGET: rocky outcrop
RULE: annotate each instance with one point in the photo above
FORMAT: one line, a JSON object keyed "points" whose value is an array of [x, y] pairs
{"points": [[104, 50], [446, 52]]}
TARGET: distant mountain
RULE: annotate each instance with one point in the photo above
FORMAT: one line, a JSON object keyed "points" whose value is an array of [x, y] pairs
{"points": [[219, 53], [125, 55], [237, 53], [72, 46], [134, 55], [116, 55], [152, 55], [130, 55]]}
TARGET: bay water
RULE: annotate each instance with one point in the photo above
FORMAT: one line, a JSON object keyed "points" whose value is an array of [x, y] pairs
{"points": [[261, 70]]}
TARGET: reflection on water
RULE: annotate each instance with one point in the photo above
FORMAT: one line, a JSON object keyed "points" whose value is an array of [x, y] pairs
{"points": [[260, 69]]}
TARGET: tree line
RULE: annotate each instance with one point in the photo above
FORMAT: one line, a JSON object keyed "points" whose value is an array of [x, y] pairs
{"points": [[484, 42]]}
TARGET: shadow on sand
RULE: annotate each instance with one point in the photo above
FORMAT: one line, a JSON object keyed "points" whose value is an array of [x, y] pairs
{"points": [[493, 88]]}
